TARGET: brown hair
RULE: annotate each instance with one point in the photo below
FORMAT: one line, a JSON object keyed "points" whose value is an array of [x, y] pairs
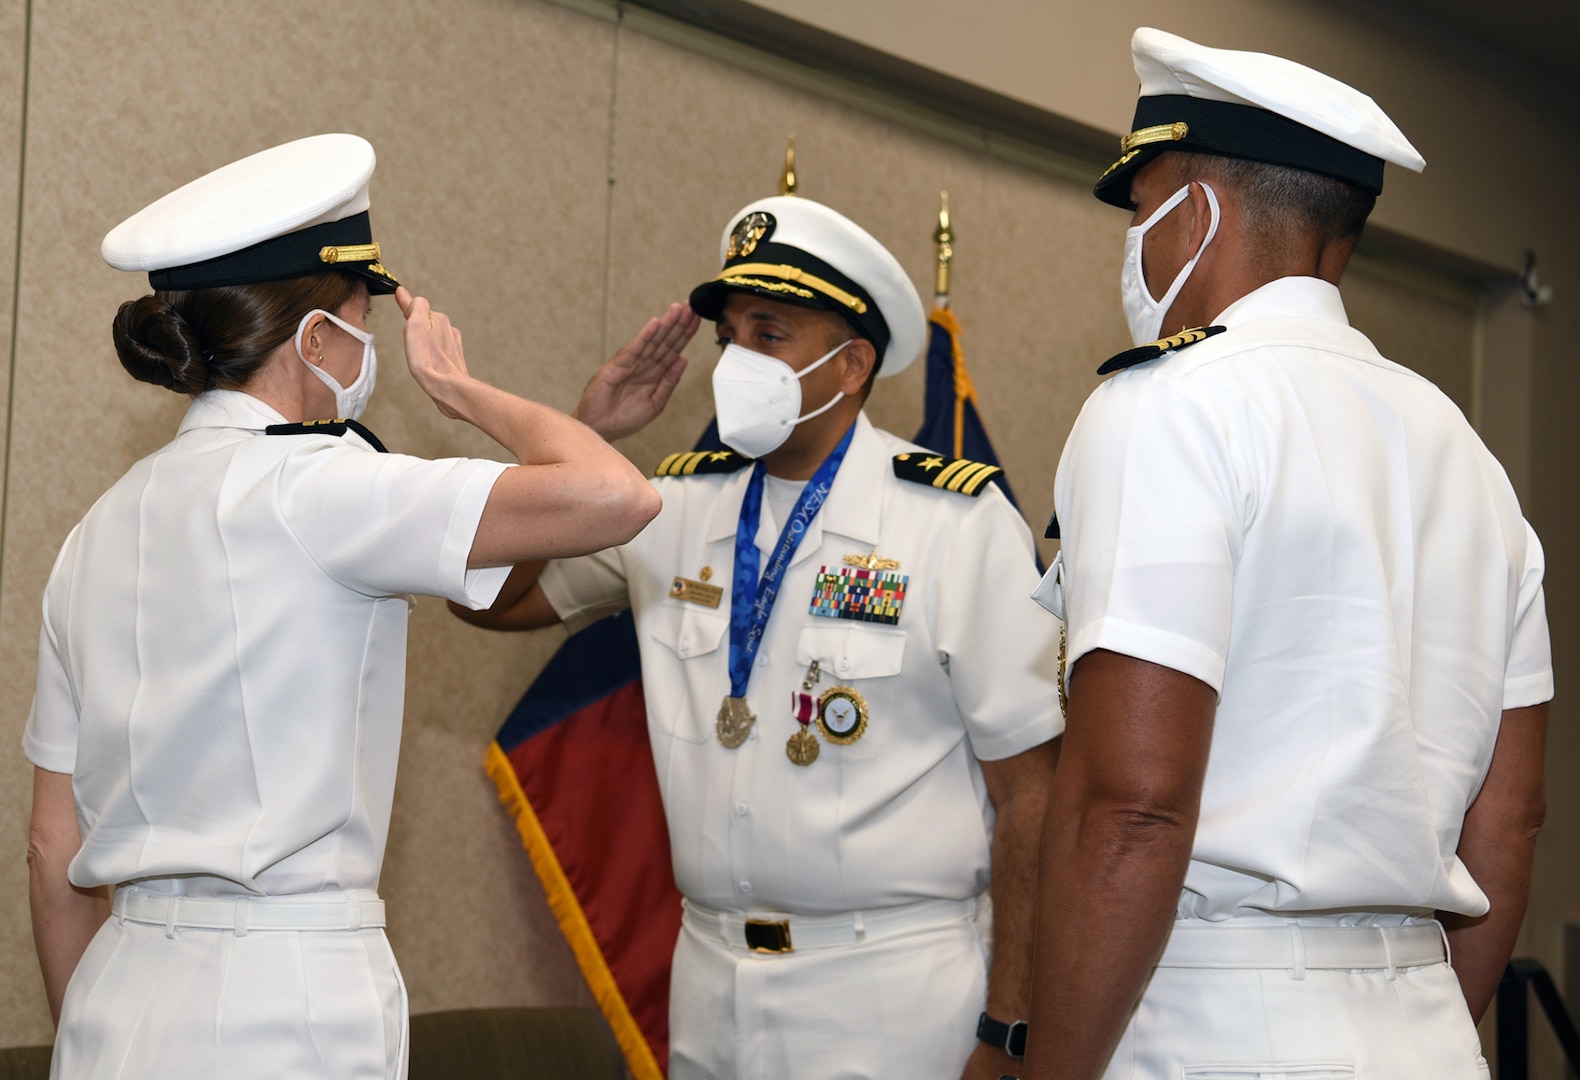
{"points": [[216, 339]]}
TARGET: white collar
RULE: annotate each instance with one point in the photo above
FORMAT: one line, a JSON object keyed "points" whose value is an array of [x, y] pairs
{"points": [[1290, 297], [229, 409], [850, 510]]}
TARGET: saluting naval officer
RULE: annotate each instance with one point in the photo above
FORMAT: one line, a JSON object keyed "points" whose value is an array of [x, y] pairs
{"points": [[850, 694], [222, 662], [1309, 644]]}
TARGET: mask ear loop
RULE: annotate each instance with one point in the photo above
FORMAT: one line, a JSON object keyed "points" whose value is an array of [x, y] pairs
{"points": [[813, 367], [1164, 304]]}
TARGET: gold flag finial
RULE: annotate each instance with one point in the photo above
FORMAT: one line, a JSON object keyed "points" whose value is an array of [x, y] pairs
{"points": [[787, 181], [945, 237]]}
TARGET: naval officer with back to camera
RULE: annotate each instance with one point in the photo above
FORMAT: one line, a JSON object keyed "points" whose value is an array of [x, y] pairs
{"points": [[222, 660]]}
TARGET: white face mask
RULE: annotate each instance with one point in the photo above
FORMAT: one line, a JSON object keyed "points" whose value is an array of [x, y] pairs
{"points": [[1144, 314], [758, 399], [349, 400]]}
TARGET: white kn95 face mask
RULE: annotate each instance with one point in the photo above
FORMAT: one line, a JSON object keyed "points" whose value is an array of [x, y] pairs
{"points": [[758, 399], [349, 400], [1143, 314]]}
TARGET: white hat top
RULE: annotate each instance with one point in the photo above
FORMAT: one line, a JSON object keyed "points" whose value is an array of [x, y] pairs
{"points": [[280, 190], [798, 251], [1169, 64]]}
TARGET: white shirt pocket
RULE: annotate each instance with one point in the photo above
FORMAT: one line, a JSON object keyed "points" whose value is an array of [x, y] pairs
{"points": [[685, 700], [863, 658]]}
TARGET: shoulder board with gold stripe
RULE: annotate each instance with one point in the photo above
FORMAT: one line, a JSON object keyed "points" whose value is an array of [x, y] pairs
{"points": [[949, 474], [336, 428], [1154, 349], [701, 463]]}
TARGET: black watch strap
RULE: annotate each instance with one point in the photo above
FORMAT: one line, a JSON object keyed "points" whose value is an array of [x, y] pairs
{"points": [[1010, 1038]]}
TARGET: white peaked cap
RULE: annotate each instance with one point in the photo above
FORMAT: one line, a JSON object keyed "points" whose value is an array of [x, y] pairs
{"points": [[801, 252], [291, 210], [1255, 106]]}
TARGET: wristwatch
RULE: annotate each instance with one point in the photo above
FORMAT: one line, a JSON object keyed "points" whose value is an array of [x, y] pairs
{"points": [[1010, 1038]]}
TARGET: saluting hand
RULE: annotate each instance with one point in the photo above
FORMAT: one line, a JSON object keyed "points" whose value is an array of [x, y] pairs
{"points": [[433, 351], [626, 394]]}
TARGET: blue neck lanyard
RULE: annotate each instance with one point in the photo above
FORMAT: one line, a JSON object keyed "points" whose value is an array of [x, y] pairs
{"points": [[751, 599]]}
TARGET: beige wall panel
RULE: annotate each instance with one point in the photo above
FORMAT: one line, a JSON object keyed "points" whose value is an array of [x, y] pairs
{"points": [[16, 945], [490, 119], [1478, 127], [13, 57], [1036, 260]]}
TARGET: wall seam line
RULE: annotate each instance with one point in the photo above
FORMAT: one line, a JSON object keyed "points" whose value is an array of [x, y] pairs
{"points": [[609, 182], [16, 278]]}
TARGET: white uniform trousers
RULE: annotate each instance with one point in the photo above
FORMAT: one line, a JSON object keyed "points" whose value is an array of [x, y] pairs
{"points": [[901, 998], [1283, 1022], [150, 1000]]}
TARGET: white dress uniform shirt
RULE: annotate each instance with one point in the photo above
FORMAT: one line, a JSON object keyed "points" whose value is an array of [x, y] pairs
{"points": [[222, 660], [899, 816], [1316, 533]]}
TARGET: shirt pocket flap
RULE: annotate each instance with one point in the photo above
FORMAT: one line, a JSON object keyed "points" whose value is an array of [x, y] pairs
{"points": [[688, 630], [852, 650]]}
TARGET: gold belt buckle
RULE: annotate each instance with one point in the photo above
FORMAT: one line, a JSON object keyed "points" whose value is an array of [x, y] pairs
{"points": [[768, 936]]}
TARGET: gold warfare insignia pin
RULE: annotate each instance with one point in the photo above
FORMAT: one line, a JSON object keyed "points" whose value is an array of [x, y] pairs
{"points": [[696, 592], [872, 561], [748, 233]]}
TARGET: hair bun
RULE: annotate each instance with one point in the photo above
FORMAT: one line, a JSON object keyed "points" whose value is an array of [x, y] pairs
{"points": [[157, 345]]}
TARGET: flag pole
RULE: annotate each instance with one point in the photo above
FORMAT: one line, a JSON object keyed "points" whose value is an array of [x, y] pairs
{"points": [[945, 238], [787, 180]]}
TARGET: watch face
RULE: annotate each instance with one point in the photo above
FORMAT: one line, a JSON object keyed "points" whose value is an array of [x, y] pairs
{"points": [[842, 715]]}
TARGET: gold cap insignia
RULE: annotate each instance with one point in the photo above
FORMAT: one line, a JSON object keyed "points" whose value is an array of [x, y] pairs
{"points": [[748, 233]]}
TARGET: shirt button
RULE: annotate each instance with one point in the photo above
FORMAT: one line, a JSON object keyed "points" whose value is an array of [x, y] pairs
{"points": [[762, 661], [753, 733], [685, 643], [746, 887], [843, 665], [741, 809]]}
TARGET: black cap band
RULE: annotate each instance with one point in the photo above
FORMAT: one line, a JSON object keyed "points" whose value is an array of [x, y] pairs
{"points": [[1181, 122], [297, 254], [793, 276]]}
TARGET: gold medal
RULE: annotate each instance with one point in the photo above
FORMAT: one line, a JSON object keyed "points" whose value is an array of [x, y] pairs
{"points": [[842, 715], [802, 747], [735, 722]]}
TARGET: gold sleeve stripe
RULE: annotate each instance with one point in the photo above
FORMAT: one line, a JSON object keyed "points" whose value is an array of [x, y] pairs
{"points": [[794, 273], [670, 466], [1157, 133], [949, 472], [349, 253], [971, 479]]}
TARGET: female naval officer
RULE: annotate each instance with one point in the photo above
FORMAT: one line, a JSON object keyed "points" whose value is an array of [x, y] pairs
{"points": [[222, 660]]}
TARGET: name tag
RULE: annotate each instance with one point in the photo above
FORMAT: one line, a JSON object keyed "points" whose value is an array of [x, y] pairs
{"points": [[696, 592]]}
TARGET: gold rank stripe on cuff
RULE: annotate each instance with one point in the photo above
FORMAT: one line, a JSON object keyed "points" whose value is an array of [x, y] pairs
{"points": [[701, 463], [961, 475], [746, 273]]}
